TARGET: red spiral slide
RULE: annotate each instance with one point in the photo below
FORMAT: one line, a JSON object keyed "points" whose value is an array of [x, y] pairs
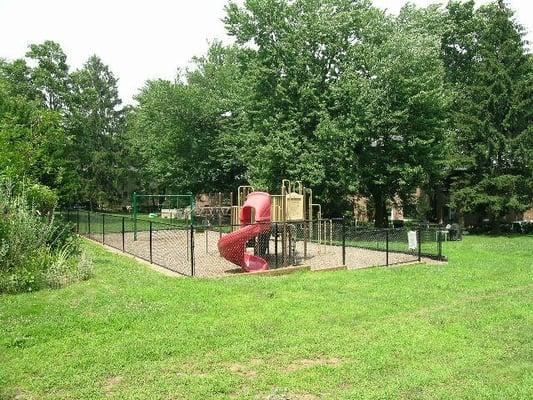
{"points": [[233, 245]]}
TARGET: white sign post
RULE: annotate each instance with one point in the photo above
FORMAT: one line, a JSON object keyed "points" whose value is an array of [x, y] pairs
{"points": [[412, 239]]}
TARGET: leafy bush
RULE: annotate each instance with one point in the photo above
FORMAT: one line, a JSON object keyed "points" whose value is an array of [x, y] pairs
{"points": [[42, 198], [36, 251]]}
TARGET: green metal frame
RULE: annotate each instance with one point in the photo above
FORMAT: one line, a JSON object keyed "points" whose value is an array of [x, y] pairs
{"points": [[135, 205]]}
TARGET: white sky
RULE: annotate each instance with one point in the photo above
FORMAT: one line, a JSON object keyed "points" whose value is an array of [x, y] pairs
{"points": [[139, 40]]}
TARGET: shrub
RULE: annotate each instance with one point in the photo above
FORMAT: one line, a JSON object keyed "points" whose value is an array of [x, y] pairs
{"points": [[42, 198], [65, 269], [36, 251]]}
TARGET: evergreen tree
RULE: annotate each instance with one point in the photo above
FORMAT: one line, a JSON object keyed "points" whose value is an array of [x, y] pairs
{"points": [[491, 73], [95, 121]]}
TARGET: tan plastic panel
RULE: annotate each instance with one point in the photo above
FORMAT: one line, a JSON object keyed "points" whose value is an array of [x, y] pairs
{"points": [[295, 207]]}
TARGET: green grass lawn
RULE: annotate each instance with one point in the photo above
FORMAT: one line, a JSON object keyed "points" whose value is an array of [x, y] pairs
{"points": [[460, 330]]}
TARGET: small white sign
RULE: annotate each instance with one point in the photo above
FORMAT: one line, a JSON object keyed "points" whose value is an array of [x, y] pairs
{"points": [[411, 237]]}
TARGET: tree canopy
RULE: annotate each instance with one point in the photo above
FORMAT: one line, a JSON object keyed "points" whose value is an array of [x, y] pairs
{"points": [[491, 75], [349, 99]]}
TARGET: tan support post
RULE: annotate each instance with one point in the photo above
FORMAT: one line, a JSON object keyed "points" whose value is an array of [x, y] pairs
{"points": [[284, 227], [299, 185], [310, 211], [235, 217], [242, 192]]}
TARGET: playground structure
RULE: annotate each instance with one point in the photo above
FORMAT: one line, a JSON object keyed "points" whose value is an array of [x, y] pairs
{"points": [[290, 221], [255, 219], [250, 231], [258, 216]]}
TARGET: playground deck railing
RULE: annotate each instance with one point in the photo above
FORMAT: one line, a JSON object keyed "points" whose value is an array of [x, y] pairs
{"points": [[192, 250]]}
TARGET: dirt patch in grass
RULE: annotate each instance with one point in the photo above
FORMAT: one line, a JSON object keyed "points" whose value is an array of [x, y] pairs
{"points": [[18, 394], [304, 397], [278, 394], [111, 383], [192, 374], [190, 369], [243, 370], [311, 362]]}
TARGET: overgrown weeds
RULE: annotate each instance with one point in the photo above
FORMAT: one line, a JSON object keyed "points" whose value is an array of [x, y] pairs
{"points": [[36, 250]]}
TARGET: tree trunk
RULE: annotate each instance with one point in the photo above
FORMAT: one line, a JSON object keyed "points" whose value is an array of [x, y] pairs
{"points": [[496, 224], [380, 211]]}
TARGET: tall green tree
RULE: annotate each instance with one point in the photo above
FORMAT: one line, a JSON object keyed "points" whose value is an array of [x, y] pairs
{"points": [[342, 96], [17, 76], [174, 132], [491, 73], [51, 73], [391, 112], [95, 121], [220, 76], [62, 129], [184, 130], [32, 139], [298, 50]]}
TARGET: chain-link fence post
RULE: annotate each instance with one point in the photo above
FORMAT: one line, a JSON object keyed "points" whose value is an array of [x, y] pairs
{"points": [[89, 224], [343, 241], [123, 234], [78, 221], [150, 242], [290, 255], [276, 243], [439, 244], [386, 247], [419, 242], [192, 248], [284, 244], [103, 228], [306, 228]]}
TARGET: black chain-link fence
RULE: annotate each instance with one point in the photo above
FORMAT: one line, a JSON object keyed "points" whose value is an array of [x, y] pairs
{"points": [[215, 248]]}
